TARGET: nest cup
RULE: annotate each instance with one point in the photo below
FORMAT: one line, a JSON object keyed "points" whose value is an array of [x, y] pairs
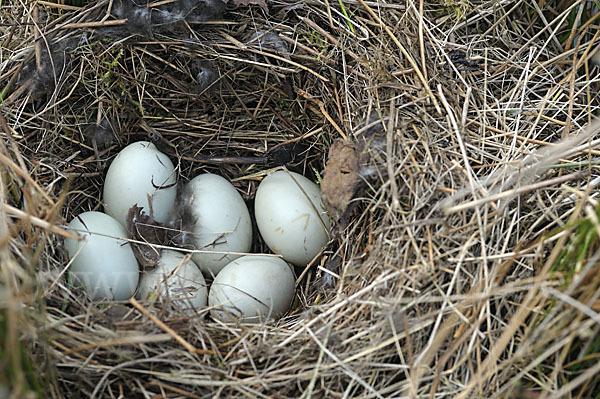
{"points": [[235, 115], [418, 293]]}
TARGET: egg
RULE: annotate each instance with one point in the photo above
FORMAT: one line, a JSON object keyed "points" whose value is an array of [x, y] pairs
{"points": [[177, 279], [291, 217], [103, 262], [221, 222], [140, 174], [252, 288]]}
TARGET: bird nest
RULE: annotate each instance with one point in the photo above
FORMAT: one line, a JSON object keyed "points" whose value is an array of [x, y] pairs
{"points": [[454, 143]]}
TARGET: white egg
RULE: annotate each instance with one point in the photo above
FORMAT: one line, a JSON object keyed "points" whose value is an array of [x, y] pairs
{"points": [[252, 288], [221, 222], [102, 263], [142, 175], [181, 282], [291, 216]]}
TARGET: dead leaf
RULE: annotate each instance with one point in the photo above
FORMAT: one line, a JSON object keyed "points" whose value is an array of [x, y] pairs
{"points": [[342, 180], [142, 227]]}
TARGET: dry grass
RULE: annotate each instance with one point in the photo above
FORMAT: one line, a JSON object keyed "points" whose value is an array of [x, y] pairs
{"points": [[469, 268]]}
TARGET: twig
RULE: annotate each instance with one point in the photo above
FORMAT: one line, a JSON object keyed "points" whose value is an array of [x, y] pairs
{"points": [[94, 24], [56, 5]]}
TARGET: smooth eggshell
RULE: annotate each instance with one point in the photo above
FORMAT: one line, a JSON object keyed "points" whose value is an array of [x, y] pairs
{"points": [[181, 282], [291, 224], [140, 171], [252, 288], [221, 222], [105, 266]]}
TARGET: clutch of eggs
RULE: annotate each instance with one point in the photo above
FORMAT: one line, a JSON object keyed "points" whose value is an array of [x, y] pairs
{"points": [[290, 217]]}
